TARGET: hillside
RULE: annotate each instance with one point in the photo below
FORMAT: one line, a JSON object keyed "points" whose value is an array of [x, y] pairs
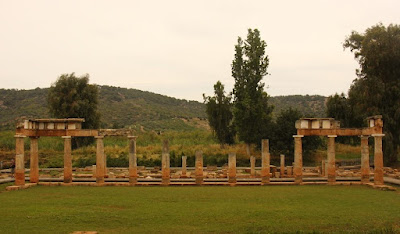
{"points": [[122, 107]]}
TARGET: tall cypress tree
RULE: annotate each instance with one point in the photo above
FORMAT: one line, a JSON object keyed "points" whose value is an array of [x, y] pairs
{"points": [[252, 114]]}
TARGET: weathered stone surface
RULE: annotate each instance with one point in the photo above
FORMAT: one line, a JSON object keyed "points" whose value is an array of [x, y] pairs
{"points": [[67, 160], [232, 168], [199, 167], [34, 161], [265, 162], [132, 160], [331, 159], [100, 160], [19, 160], [378, 159], [298, 159]]}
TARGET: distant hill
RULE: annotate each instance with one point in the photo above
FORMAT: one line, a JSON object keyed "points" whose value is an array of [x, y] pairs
{"points": [[308, 105], [141, 110]]}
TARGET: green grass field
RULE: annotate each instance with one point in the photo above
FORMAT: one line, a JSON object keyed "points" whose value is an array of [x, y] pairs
{"points": [[199, 209]]}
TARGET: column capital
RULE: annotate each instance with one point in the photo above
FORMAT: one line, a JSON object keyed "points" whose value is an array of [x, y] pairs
{"points": [[332, 136], [132, 137], [364, 136], [298, 136], [19, 136], [66, 137], [378, 135], [99, 137]]}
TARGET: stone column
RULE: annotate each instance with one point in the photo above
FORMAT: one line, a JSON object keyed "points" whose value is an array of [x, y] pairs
{"points": [[364, 159], [184, 159], [265, 162], [100, 166], [199, 167], [19, 160], [323, 167], [252, 166], [165, 163], [67, 159], [282, 165], [378, 159], [132, 160], [232, 168], [34, 161], [298, 159], [331, 160]]}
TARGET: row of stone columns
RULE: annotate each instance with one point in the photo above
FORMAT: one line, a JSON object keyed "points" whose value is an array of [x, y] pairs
{"points": [[329, 168], [101, 168]]}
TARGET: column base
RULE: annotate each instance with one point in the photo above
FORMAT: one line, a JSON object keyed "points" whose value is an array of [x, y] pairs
{"points": [[265, 180], [100, 180], [232, 180], [67, 180], [132, 180], [298, 180], [19, 179], [165, 181], [199, 180]]}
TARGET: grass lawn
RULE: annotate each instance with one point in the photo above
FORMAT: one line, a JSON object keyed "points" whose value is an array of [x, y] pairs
{"points": [[251, 209]]}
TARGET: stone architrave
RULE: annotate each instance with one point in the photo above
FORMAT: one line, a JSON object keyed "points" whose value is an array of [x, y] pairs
{"points": [[67, 159], [265, 162], [34, 161], [331, 160], [252, 166], [184, 170], [132, 160], [378, 159], [165, 164], [282, 166], [364, 159], [232, 168], [100, 166], [19, 160], [298, 159], [199, 167]]}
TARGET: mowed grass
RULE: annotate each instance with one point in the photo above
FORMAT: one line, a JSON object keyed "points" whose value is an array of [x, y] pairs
{"points": [[199, 209]]}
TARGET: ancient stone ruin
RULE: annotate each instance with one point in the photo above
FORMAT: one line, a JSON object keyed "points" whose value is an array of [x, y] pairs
{"points": [[230, 175]]}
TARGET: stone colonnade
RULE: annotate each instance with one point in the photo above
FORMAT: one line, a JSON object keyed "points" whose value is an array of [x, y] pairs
{"points": [[101, 168], [329, 168]]}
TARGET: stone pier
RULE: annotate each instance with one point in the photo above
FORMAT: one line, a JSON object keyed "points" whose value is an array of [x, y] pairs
{"points": [[67, 159], [378, 159], [331, 160], [184, 170], [265, 162], [282, 166], [199, 167], [252, 166], [165, 168], [132, 160], [232, 168], [19, 160], [364, 160], [322, 167], [100, 162], [298, 159], [34, 161]]}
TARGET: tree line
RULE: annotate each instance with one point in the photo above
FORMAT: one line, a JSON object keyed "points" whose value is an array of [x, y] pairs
{"points": [[245, 113]]}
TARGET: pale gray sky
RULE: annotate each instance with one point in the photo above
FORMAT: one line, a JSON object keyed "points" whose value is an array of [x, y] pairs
{"points": [[181, 48]]}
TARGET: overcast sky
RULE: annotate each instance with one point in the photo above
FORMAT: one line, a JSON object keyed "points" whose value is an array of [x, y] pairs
{"points": [[182, 48]]}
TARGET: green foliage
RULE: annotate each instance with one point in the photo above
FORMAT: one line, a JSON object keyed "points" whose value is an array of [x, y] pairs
{"points": [[252, 114], [74, 97], [219, 113], [282, 141], [377, 87]]}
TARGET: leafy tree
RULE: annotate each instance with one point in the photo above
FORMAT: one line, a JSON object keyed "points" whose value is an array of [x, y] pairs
{"points": [[219, 112], [74, 97], [282, 141], [252, 114], [377, 87]]}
